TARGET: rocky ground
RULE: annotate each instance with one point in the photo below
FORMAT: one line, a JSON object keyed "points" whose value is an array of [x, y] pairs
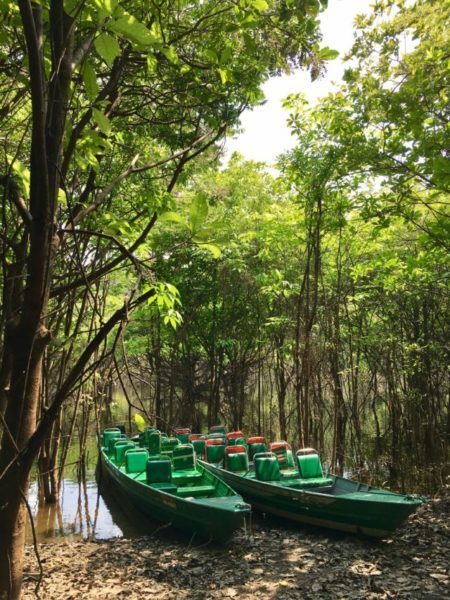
{"points": [[278, 561]]}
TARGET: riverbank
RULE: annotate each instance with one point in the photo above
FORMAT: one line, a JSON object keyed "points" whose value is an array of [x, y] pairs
{"points": [[278, 562]]}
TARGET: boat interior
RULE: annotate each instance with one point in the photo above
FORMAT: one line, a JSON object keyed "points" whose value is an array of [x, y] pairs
{"points": [[164, 464], [169, 464]]}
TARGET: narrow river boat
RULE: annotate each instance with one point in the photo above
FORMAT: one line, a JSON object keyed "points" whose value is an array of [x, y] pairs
{"points": [[176, 490], [272, 484]]}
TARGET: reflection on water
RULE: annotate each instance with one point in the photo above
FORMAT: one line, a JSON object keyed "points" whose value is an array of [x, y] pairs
{"points": [[86, 511], [80, 514]]}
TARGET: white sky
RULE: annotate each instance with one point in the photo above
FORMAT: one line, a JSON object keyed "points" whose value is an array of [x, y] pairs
{"points": [[265, 134]]}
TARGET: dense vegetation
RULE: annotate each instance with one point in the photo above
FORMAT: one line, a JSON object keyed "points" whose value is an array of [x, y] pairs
{"points": [[309, 305]]}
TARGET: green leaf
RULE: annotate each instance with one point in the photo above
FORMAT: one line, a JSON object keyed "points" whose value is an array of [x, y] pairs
{"points": [[212, 55], [212, 248], [328, 53], [198, 212], [134, 31], [226, 55], [260, 5], [22, 172], [102, 121], [172, 217], [170, 54], [152, 63], [107, 47], [90, 81], [223, 75], [106, 6]]}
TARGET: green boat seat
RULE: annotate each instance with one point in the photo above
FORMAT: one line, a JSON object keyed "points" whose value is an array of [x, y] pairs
{"points": [[256, 444], [217, 436], [183, 457], [195, 490], [267, 467], [310, 469], [110, 434], [217, 429], [136, 460], [303, 451], [236, 459], [154, 442], [120, 449], [214, 450], [309, 465], [113, 442], [198, 442], [167, 445], [169, 488], [144, 436], [241, 442], [283, 452], [186, 476], [233, 436], [159, 469], [182, 434]]}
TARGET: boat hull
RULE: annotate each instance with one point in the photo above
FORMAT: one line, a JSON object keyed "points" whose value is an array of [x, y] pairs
{"points": [[356, 515], [207, 520]]}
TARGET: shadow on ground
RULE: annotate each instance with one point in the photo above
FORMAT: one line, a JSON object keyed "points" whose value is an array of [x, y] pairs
{"points": [[279, 561]]}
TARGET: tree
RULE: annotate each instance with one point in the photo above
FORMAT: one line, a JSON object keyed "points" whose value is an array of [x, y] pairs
{"points": [[103, 109]]}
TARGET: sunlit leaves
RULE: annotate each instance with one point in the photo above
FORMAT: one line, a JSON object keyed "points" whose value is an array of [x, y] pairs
{"points": [[107, 47], [172, 217], [198, 212], [130, 28], [90, 81], [165, 299], [102, 121]]}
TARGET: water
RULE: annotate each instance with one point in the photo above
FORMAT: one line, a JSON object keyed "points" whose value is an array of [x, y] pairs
{"points": [[81, 514], [85, 512]]}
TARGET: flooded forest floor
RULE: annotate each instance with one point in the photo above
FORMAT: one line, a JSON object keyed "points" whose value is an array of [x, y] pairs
{"points": [[278, 561]]}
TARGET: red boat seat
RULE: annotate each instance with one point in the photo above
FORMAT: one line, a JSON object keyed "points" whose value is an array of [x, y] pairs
{"points": [[256, 444], [236, 459], [283, 452], [198, 441], [214, 450], [233, 436], [256, 439], [303, 451], [182, 434]]}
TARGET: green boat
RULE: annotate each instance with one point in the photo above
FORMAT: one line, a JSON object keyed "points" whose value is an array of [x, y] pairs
{"points": [[173, 489], [273, 484]]}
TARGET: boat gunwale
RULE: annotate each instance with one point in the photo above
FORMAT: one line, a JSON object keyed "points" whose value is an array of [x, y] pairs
{"points": [[289, 491], [184, 501]]}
